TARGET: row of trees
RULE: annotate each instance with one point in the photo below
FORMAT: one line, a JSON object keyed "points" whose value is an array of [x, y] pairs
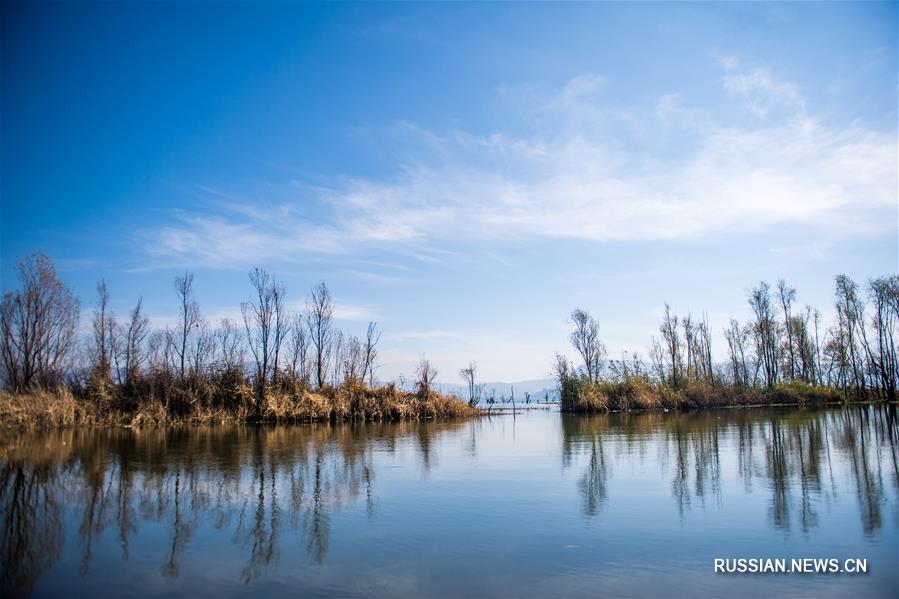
{"points": [[271, 346], [780, 343]]}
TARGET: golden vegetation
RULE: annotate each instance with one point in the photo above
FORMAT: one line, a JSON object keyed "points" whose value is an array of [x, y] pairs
{"points": [[47, 409], [640, 393]]}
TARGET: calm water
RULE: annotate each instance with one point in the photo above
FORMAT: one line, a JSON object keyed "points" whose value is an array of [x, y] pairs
{"points": [[536, 506]]}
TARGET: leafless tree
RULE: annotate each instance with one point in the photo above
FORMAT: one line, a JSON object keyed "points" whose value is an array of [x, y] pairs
{"points": [[819, 365], [37, 326], [673, 345], [469, 375], [426, 375], [353, 360], [261, 325], [765, 330], [336, 352], [585, 339], [804, 356], [103, 329], [231, 351], [562, 368], [372, 337], [133, 338], [657, 359], [319, 321], [298, 347], [698, 346], [737, 341], [189, 317], [787, 295], [850, 333], [281, 326], [884, 294], [201, 348]]}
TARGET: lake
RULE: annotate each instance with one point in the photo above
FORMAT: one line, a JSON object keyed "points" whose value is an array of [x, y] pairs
{"points": [[536, 505]]}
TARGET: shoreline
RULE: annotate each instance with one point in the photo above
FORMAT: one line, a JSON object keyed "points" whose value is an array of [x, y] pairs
{"points": [[46, 409]]}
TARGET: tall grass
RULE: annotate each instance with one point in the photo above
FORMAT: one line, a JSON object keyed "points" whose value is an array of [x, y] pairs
{"points": [[351, 401], [639, 393]]}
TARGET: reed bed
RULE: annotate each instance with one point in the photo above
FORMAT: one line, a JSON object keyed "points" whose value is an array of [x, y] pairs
{"points": [[641, 394], [41, 409]]}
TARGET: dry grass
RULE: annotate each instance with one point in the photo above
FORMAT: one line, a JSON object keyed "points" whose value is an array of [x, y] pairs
{"points": [[45, 409], [641, 394], [51, 409]]}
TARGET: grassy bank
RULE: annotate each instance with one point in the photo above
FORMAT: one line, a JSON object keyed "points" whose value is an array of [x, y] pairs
{"points": [[578, 394], [61, 408]]}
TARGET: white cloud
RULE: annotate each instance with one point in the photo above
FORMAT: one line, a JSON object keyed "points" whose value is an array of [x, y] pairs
{"points": [[352, 312], [761, 92], [429, 334], [583, 182]]}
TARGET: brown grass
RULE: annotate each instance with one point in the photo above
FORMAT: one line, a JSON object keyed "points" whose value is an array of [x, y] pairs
{"points": [[50, 409], [641, 394]]}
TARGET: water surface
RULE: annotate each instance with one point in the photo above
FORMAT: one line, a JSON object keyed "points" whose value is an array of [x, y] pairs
{"points": [[538, 505]]}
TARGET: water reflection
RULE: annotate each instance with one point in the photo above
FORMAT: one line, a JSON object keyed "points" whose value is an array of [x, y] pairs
{"points": [[266, 490], [256, 482], [790, 454]]}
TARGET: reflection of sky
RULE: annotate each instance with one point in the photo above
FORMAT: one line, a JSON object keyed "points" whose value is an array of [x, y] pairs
{"points": [[498, 505]]}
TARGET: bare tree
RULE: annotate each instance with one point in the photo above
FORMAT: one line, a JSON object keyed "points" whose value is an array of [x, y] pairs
{"points": [[765, 332], [335, 351], [298, 347], [372, 336], [850, 332], [101, 326], [189, 316], [281, 326], [819, 365], [260, 317], [426, 375], [737, 338], [787, 295], [37, 326], [231, 351], [585, 339], [657, 359], [884, 294], [133, 337], [201, 348], [562, 369], [671, 335], [469, 375], [319, 321], [353, 360]]}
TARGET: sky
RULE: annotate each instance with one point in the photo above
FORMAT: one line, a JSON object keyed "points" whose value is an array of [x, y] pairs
{"points": [[463, 174]]}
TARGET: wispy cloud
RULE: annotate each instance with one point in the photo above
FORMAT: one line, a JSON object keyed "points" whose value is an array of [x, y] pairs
{"points": [[353, 312], [583, 182], [760, 90], [428, 334]]}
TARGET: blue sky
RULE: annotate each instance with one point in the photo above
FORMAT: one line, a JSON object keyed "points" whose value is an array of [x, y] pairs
{"points": [[464, 174]]}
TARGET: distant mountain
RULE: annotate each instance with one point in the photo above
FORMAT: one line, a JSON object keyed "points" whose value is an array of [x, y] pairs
{"points": [[538, 388]]}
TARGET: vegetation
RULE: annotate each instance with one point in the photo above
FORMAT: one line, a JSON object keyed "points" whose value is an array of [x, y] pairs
{"points": [[275, 366], [780, 357]]}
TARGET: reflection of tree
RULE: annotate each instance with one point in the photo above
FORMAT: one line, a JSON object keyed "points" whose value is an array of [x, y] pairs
{"points": [[867, 477], [788, 450], [778, 473], [593, 482], [31, 535], [252, 481]]}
